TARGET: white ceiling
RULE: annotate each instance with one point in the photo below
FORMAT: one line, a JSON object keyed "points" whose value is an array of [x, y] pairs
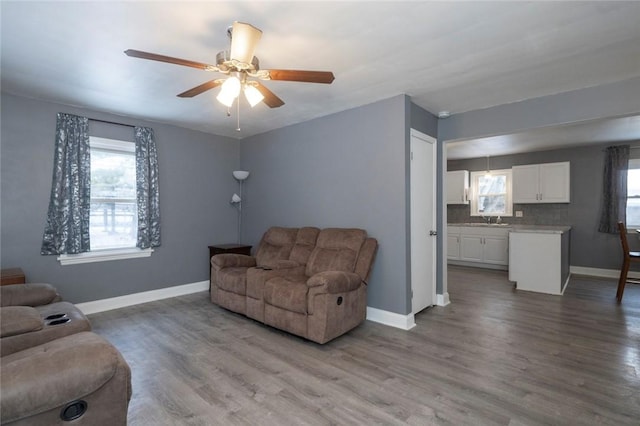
{"points": [[453, 56], [611, 130]]}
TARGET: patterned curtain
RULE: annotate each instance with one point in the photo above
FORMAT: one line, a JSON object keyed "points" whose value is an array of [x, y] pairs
{"points": [[67, 229], [147, 189], [614, 189]]}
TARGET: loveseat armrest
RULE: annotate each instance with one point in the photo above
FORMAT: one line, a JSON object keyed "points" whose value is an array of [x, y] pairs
{"points": [[33, 294], [334, 282], [230, 260]]}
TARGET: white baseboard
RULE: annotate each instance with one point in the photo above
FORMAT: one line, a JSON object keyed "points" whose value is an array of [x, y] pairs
{"points": [[143, 297], [442, 299], [405, 322], [603, 273]]}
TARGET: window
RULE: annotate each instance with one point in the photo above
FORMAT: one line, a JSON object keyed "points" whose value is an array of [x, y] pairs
{"points": [[113, 219], [633, 194], [491, 193]]}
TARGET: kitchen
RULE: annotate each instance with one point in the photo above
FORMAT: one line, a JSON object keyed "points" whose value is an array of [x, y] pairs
{"points": [[552, 184]]}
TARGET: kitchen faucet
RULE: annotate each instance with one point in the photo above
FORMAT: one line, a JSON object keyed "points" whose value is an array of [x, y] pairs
{"points": [[487, 219]]}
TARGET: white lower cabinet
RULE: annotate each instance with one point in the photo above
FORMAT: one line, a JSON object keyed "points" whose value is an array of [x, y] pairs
{"points": [[453, 243], [478, 244]]}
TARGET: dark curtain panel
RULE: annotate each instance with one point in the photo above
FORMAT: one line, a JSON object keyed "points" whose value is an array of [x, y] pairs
{"points": [[614, 189], [67, 229], [147, 192]]}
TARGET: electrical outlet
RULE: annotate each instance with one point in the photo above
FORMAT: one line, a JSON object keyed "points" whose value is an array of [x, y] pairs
{"points": [[518, 213]]}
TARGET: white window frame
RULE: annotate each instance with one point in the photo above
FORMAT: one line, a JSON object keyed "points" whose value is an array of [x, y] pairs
{"points": [[473, 190], [104, 255], [634, 163]]}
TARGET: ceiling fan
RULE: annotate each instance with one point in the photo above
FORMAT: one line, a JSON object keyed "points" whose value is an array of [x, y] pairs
{"points": [[240, 65]]}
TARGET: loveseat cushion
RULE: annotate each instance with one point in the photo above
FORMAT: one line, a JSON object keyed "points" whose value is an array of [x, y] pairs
{"points": [[18, 320], [233, 280], [47, 376], [276, 244], [305, 243], [32, 294], [336, 250], [289, 293]]}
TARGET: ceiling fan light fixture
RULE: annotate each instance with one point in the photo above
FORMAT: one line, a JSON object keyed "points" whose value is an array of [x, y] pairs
{"points": [[229, 92], [253, 95], [244, 39]]}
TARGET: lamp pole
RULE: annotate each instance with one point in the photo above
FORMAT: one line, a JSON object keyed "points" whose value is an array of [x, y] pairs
{"points": [[240, 176]]}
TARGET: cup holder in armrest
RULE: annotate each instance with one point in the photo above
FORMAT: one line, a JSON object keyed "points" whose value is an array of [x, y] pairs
{"points": [[55, 316], [59, 321]]}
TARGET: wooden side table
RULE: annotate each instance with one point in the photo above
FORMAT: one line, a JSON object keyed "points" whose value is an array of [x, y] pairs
{"points": [[11, 276], [226, 248]]}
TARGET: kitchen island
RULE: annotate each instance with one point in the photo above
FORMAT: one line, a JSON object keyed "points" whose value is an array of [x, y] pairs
{"points": [[539, 258]]}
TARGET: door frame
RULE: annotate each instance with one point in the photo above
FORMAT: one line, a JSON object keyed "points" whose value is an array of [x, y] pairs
{"points": [[435, 208]]}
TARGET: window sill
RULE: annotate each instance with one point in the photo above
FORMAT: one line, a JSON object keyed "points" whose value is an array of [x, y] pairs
{"points": [[103, 256]]}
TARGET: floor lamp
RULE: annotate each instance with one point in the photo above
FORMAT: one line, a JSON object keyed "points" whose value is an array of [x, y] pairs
{"points": [[240, 176]]}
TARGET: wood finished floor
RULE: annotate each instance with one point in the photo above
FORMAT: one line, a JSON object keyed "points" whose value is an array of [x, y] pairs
{"points": [[495, 356]]}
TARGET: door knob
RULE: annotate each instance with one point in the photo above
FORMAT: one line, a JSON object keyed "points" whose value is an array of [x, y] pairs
{"points": [[432, 233]]}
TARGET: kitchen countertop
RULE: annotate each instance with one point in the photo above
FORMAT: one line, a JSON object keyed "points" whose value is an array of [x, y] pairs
{"points": [[542, 229], [483, 225]]}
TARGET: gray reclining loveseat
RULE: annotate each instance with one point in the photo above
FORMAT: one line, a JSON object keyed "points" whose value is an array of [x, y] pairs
{"points": [[306, 281]]}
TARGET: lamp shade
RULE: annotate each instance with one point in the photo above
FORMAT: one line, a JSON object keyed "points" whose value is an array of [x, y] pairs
{"points": [[253, 95], [235, 198], [240, 174], [229, 91], [244, 38]]}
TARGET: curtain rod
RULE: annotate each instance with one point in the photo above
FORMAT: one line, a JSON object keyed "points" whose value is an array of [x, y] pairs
{"points": [[111, 122]]}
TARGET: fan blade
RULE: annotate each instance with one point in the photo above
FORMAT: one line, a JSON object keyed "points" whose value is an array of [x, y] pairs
{"points": [[161, 58], [244, 39], [200, 89], [270, 98], [325, 77]]}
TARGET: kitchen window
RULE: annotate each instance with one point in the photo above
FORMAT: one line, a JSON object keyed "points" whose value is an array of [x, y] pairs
{"points": [[633, 194], [491, 193]]}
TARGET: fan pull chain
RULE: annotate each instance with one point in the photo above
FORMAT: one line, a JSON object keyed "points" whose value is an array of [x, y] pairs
{"points": [[238, 105]]}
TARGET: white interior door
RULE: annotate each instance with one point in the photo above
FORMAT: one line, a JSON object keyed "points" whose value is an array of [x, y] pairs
{"points": [[423, 221]]}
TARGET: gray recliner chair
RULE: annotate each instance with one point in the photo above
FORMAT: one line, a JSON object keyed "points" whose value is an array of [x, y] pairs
{"points": [[53, 370], [32, 314], [79, 379]]}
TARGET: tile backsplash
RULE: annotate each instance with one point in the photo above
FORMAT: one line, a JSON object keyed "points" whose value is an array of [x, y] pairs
{"points": [[532, 214]]}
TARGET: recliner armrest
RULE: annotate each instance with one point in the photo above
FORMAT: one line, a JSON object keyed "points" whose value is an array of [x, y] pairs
{"points": [[33, 294], [229, 260], [16, 320], [335, 281]]}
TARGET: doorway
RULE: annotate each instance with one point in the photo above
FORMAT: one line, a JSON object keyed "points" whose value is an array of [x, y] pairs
{"points": [[423, 220]]}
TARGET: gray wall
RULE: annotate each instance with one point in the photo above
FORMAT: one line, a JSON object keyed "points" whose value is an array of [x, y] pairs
{"points": [[589, 248], [342, 170], [195, 183]]}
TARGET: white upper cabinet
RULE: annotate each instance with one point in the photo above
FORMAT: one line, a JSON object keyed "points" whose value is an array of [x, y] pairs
{"points": [[541, 183], [458, 187]]}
